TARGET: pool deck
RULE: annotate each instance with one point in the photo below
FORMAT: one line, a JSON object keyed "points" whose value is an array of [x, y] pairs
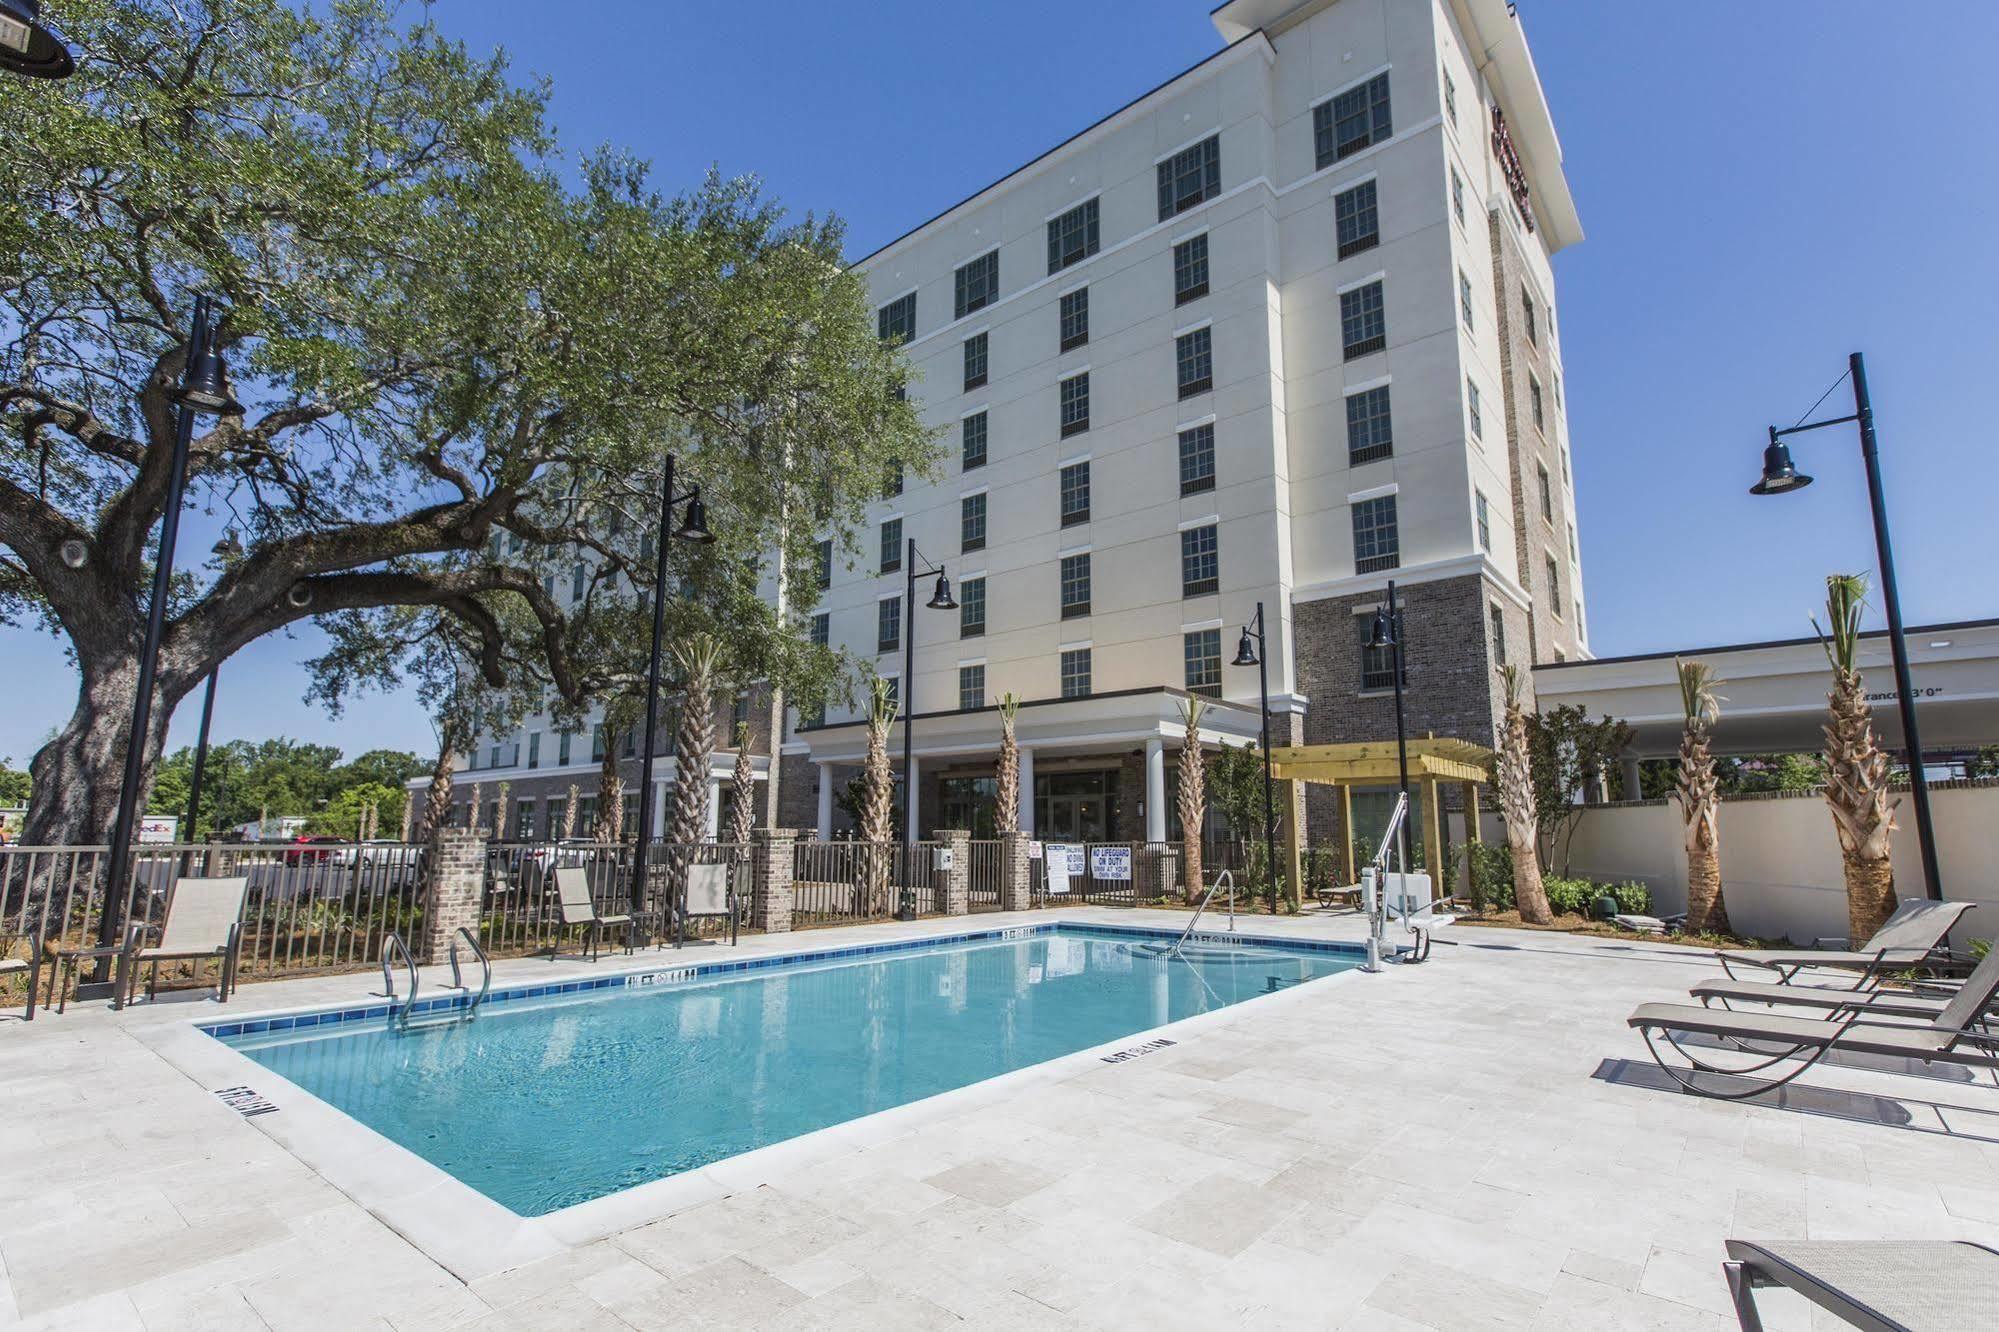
{"points": [[1470, 1143]]}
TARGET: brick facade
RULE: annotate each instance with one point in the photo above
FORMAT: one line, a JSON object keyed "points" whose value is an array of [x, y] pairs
{"points": [[455, 886]]}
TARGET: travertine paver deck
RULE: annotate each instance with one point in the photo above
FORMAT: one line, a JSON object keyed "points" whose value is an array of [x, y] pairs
{"points": [[1432, 1147]]}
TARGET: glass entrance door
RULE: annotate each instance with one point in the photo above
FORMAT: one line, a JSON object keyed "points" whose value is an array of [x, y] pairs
{"points": [[1075, 806]]}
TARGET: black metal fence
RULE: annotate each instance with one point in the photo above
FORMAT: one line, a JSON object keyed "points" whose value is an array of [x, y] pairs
{"points": [[848, 883]]}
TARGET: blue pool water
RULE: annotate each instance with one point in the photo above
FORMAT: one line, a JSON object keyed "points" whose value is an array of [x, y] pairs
{"points": [[549, 1102]]}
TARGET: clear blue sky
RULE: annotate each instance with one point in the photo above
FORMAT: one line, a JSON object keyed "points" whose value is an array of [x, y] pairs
{"points": [[1765, 186]]}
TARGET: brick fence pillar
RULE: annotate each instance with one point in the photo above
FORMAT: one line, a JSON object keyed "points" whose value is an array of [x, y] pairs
{"points": [[954, 885], [1016, 873], [452, 892], [770, 891]]}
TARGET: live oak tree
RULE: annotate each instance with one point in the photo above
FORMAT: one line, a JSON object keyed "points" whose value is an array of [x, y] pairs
{"points": [[463, 359]]}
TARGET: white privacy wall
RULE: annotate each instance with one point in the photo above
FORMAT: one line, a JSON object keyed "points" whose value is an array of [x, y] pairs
{"points": [[1780, 864]]}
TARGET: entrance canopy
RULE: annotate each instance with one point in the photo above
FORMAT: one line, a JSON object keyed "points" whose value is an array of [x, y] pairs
{"points": [[1378, 763]]}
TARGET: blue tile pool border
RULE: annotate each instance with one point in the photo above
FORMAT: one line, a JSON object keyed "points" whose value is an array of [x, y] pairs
{"points": [[673, 975]]}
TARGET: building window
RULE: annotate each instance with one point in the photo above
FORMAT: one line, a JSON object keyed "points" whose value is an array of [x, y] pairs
{"points": [[1190, 177], [978, 284], [575, 583], [1498, 634], [1464, 300], [822, 629], [524, 822], [534, 749], [1196, 356], [1370, 437], [891, 545], [892, 481], [1471, 401], [1458, 195], [1076, 493], [1075, 392], [1190, 269], [1527, 317], [1075, 322], [1356, 219], [1076, 673], [1558, 389], [888, 624], [1484, 513], [596, 744], [1200, 561], [1204, 662], [1554, 587], [1363, 321], [971, 608], [1534, 403], [1356, 119], [562, 748], [1075, 585], [971, 688], [1072, 237], [1197, 459], [973, 433], [1375, 543], [1450, 97], [822, 564], [972, 522], [1547, 493], [1377, 665], [975, 361], [1574, 558], [896, 321]]}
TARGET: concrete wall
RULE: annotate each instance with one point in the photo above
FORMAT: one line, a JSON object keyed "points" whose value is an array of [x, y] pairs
{"points": [[1780, 861]]}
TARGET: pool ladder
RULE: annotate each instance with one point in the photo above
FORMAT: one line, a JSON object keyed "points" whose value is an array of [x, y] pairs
{"points": [[393, 944], [1223, 878]]}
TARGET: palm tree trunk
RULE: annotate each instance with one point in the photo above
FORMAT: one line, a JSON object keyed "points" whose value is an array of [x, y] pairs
{"points": [[1870, 895]]}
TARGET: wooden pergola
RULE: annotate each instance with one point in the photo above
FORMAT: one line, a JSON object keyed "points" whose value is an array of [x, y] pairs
{"points": [[1373, 763]]}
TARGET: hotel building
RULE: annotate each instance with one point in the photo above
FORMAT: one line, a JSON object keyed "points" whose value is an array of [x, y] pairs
{"points": [[1276, 332]]}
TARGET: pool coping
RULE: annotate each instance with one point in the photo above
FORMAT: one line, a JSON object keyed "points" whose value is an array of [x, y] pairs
{"points": [[473, 1236]]}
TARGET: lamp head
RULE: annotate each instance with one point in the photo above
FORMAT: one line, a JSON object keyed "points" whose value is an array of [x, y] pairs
{"points": [[1383, 636], [29, 48], [204, 387], [230, 547], [941, 598], [1779, 472], [695, 526], [1245, 652]]}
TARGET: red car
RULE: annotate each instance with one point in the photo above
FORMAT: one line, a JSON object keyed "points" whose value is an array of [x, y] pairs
{"points": [[318, 855]]}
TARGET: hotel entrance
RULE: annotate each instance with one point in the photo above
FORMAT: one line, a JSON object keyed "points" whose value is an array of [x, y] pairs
{"points": [[1075, 806]]}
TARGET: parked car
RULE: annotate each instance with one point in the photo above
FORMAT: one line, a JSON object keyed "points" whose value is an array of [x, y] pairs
{"points": [[537, 863], [383, 860], [317, 855]]}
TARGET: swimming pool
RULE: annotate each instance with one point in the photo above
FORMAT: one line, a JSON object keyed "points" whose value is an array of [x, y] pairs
{"points": [[551, 1099]]}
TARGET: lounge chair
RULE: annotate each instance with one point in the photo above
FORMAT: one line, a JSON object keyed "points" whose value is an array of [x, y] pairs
{"points": [[204, 919], [1923, 1002], [708, 895], [572, 889], [1956, 1035], [1878, 1285], [1912, 937], [32, 968]]}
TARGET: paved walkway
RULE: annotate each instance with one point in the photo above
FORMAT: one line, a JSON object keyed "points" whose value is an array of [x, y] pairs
{"points": [[1457, 1145]]}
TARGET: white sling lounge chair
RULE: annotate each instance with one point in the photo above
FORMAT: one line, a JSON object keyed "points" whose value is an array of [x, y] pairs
{"points": [[572, 888], [1956, 1035], [708, 894], [1911, 937], [204, 920], [1877, 1285]]}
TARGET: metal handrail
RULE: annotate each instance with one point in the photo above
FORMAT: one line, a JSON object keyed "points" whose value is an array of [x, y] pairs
{"points": [[1374, 883], [485, 966], [1207, 897], [394, 942]]}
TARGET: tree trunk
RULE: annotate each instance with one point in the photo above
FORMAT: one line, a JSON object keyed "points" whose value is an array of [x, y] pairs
{"points": [[1870, 896], [610, 792], [1707, 913], [1528, 895], [79, 773]]}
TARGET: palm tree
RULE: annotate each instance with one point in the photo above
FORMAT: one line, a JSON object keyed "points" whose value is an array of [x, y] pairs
{"points": [[1698, 796], [1193, 796], [693, 749], [1856, 768], [1006, 794], [1516, 804], [569, 809], [437, 801], [500, 814], [877, 800], [478, 798], [742, 790]]}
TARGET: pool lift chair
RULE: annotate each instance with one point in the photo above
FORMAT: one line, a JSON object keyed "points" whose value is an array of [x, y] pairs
{"points": [[1404, 895]]}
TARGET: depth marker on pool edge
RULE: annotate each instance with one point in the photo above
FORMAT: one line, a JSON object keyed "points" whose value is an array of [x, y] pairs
{"points": [[1135, 1051]]}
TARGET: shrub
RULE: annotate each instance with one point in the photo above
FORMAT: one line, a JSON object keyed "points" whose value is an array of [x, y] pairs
{"points": [[1577, 897], [1491, 875]]}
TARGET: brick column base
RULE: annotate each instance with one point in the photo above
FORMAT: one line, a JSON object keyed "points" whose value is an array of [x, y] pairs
{"points": [[452, 892], [770, 890], [954, 885], [1016, 873]]}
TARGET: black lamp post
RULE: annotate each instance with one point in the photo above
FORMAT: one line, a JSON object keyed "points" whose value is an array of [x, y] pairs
{"points": [[940, 599], [1387, 637], [1781, 476], [227, 549], [1254, 650], [204, 391], [693, 528], [30, 47]]}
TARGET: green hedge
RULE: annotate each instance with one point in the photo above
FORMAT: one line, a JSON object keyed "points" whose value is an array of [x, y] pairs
{"points": [[1577, 897]]}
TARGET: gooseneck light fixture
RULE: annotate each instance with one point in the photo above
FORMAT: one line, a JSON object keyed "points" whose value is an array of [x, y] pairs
{"points": [[1253, 649], [940, 599], [28, 46]]}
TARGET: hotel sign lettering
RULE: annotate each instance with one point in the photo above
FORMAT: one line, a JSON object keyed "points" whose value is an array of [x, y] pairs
{"points": [[1509, 167]]}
